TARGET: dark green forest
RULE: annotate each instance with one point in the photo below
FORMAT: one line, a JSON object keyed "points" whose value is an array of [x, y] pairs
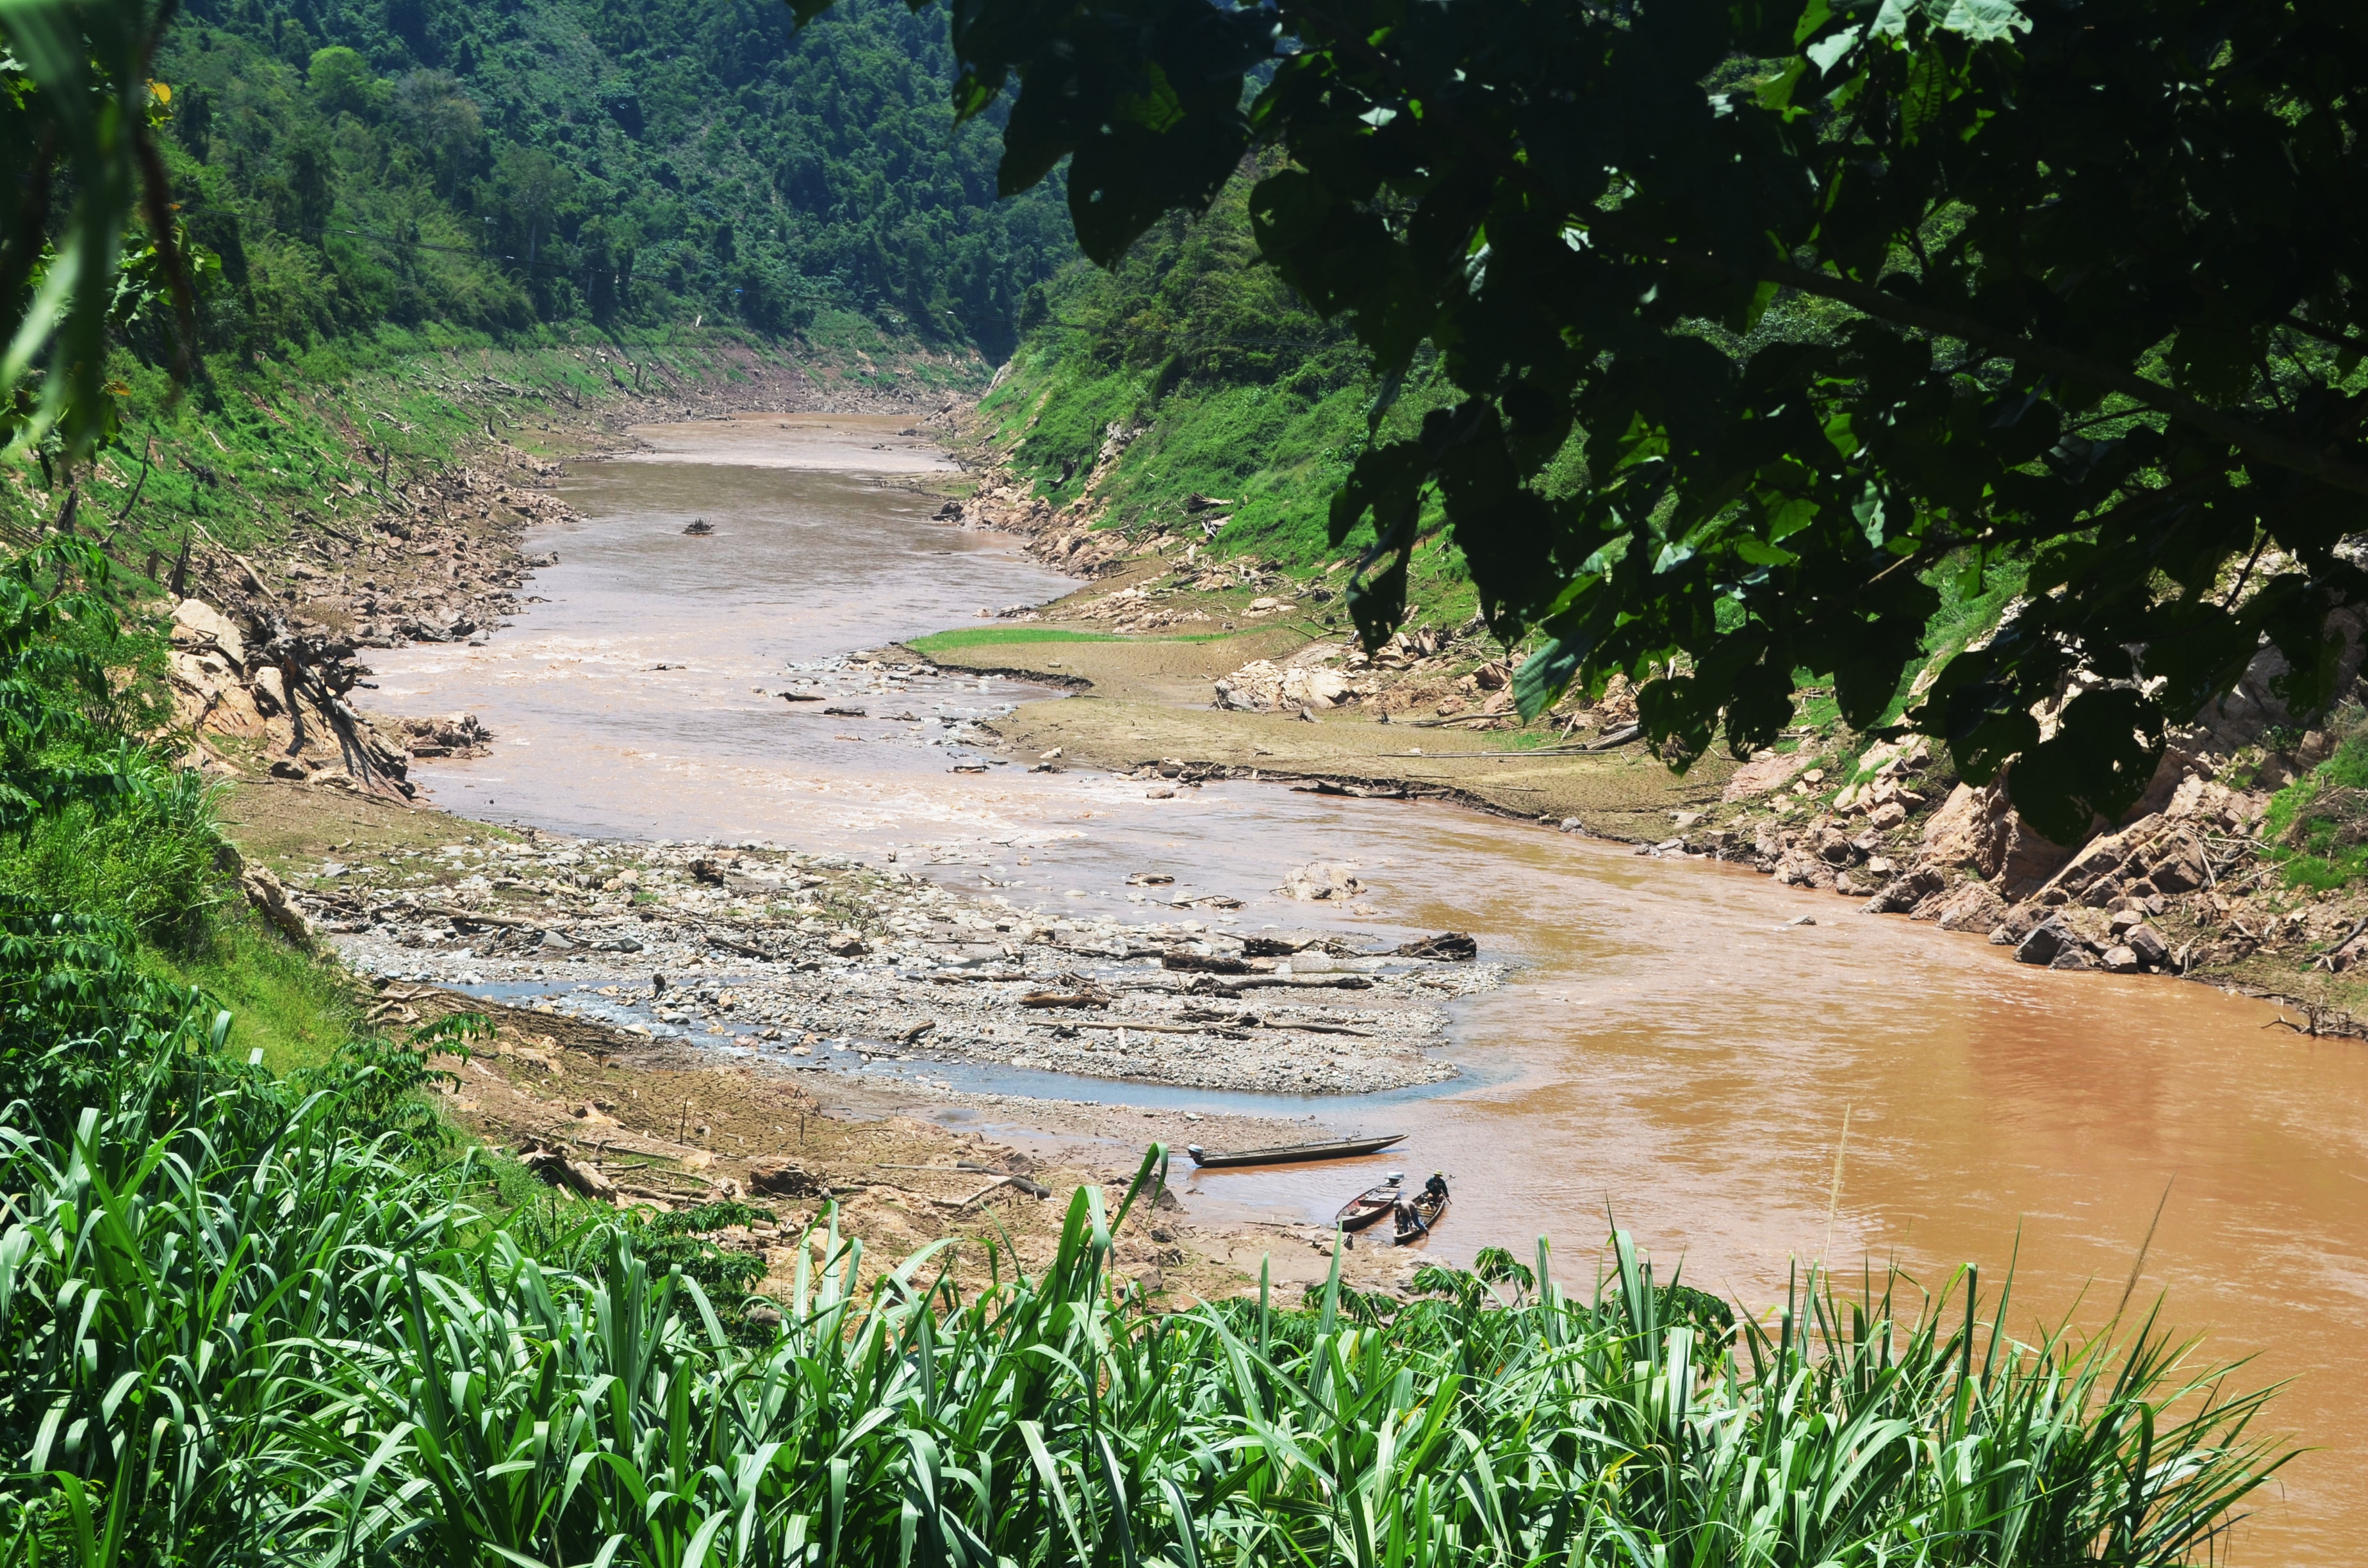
{"points": [[609, 161]]}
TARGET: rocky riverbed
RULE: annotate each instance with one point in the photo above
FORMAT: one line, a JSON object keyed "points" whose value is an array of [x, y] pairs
{"points": [[823, 960]]}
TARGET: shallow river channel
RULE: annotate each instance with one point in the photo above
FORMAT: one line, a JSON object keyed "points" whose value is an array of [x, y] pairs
{"points": [[1669, 1051]]}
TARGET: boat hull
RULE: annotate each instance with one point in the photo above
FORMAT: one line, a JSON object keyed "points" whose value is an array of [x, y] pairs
{"points": [[1367, 1209], [1292, 1154]]}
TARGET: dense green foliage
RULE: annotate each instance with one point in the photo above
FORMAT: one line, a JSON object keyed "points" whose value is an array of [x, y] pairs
{"points": [[1220, 383], [2317, 825], [77, 149], [616, 161], [1830, 294]]}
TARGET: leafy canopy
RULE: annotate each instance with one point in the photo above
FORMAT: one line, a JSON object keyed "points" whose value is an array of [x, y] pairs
{"points": [[1831, 299]]}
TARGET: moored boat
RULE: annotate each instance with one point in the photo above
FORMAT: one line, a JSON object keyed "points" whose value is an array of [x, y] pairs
{"points": [[1291, 1153], [1370, 1205]]}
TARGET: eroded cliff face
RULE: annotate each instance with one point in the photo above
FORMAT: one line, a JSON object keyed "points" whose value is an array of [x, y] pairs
{"points": [[1906, 836]]}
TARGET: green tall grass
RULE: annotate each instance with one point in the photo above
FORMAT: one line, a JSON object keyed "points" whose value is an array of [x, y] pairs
{"points": [[240, 1329]]}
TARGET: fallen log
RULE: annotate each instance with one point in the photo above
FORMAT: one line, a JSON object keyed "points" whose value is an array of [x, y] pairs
{"points": [[731, 945], [1065, 999], [1447, 947], [472, 917], [1210, 984], [555, 1165], [1205, 963]]}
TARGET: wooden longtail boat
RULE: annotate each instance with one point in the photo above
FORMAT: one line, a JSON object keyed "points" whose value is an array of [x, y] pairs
{"points": [[1370, 1205], [1427, 1209], [1291, 1153]]}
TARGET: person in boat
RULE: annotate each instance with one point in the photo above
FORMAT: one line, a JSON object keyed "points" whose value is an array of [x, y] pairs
{"points": [[1408, 1219]]}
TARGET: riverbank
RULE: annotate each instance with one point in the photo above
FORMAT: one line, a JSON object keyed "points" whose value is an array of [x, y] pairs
{"points": [[269, 678], [1227, 667], [637, 1029]]}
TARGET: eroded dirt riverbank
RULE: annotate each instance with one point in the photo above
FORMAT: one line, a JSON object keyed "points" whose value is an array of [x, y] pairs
{"points": [[1672, 1046]]}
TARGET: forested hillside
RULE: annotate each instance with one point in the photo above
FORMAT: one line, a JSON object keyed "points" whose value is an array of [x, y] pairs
{"points": [[1190, 374], [609, 161], [1213, 377]]}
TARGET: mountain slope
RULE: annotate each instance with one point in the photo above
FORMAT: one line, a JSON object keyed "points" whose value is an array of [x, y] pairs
{"points": [[614, 162]]}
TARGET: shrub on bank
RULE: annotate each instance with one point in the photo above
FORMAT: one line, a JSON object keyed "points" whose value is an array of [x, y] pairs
{"points": [[2318, 824]]}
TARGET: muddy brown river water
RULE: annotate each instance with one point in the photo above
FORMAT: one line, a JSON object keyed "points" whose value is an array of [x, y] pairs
{"points": [[1670, 1051]]}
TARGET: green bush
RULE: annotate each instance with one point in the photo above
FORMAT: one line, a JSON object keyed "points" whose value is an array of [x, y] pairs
{"points": [[150, 861], [2317, 825]]}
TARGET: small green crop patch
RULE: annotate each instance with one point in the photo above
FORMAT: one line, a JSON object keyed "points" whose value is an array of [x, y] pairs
{"points": [[2317, 825], [1005, 636], [999, 636]]}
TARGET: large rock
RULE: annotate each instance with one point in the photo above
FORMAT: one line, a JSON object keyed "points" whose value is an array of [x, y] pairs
{"points": [[2175, 863], [196, 622], [1973, 907], [1904, 892], [1979, 831], [1966, 832], [2046, 942], [1262, 686], [2095, 875], [2026, 861], [1318, 880], [2148, 945]]}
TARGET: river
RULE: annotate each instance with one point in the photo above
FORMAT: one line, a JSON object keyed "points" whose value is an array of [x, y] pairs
{"points": [[1672, 1051]]}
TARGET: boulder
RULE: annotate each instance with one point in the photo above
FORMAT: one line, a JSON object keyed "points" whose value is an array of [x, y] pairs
{"points": [[2026, 861], [1904, 892], [1965, 832], [2120, 960], [269, 689], [2046, 943], [2176, 863], [2148, 945], [1887, 816], [1973, 907], [196, 622], [2073, 958], [1322, 879], [1262, 686], [2094, 876]]}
